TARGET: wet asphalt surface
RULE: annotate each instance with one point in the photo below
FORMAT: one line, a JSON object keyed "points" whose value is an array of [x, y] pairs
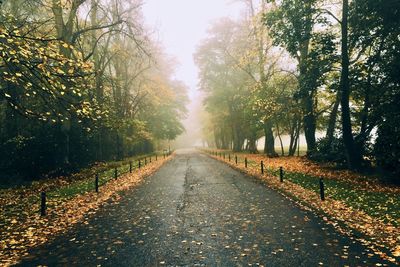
{"points": [[196, 211]]}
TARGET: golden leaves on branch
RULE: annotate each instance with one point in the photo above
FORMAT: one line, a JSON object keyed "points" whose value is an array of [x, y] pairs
{"points": [[42, 73]]}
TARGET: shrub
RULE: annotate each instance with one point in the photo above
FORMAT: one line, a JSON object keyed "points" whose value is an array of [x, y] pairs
{"points": [[333, 152], [387, 148]]}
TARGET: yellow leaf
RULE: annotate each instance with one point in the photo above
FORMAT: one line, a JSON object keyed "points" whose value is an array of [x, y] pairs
{"points": [[396, 251]]}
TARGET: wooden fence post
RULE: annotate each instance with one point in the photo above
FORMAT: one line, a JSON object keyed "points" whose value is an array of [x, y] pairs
{"points": [[130, 166], [96, 182], [245, 162], [322, 188], [43, 204], [281, 174], [236, 159], [262, 167]]}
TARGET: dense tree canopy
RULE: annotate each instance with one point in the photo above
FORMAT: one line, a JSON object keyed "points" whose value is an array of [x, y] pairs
{"points": [[305, 67], [81, 81]]}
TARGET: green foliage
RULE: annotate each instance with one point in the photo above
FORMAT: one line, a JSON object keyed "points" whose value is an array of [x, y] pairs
{"points": [[225, 84], [291, 24], [74, 95], [387, 146], [375, 27], [330, 151]]}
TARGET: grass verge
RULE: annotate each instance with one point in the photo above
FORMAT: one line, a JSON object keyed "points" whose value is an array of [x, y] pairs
{"points": [[68, 202], [363, 206]]}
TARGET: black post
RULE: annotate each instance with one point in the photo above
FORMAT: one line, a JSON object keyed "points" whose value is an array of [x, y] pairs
{"points": [[229, 157], [145, 160], [96, 182], [150, 159], [322, 188], [139, 163], [43, 204], [262, 167], [130, 166], [236, 159], [245, 162], [281, 174], [116, 173]]}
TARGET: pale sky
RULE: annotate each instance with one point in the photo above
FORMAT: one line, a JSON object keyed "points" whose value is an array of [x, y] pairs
{"points": [[181, 25]]}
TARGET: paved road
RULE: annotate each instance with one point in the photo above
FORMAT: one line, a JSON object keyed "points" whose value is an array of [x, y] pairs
{"points": [[196, 211]]}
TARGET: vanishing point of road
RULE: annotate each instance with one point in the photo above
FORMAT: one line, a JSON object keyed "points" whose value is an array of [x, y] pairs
{"points": [[196, 211]]}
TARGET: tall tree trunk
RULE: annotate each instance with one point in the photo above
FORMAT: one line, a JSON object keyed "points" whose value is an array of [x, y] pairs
{"points": [[98, 75], [307, 93], [269, 145], [294, 135], [64, 30], [216, 138], [365, 130], [352, 153], [280, 140], [120, 146], [96, 56], [224, 140], [332, 120], [252, 142], [310, 124], [237, 139]]}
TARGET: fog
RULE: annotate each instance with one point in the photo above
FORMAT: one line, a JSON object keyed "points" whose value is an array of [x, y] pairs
{"points": [[180, 25]]}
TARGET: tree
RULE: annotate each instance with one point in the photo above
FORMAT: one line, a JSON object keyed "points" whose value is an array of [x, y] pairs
{"points": [[353, 154], [373, 38], [264, 63], [77, 86], [225, 83], [34, 74], [301, 29]]}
